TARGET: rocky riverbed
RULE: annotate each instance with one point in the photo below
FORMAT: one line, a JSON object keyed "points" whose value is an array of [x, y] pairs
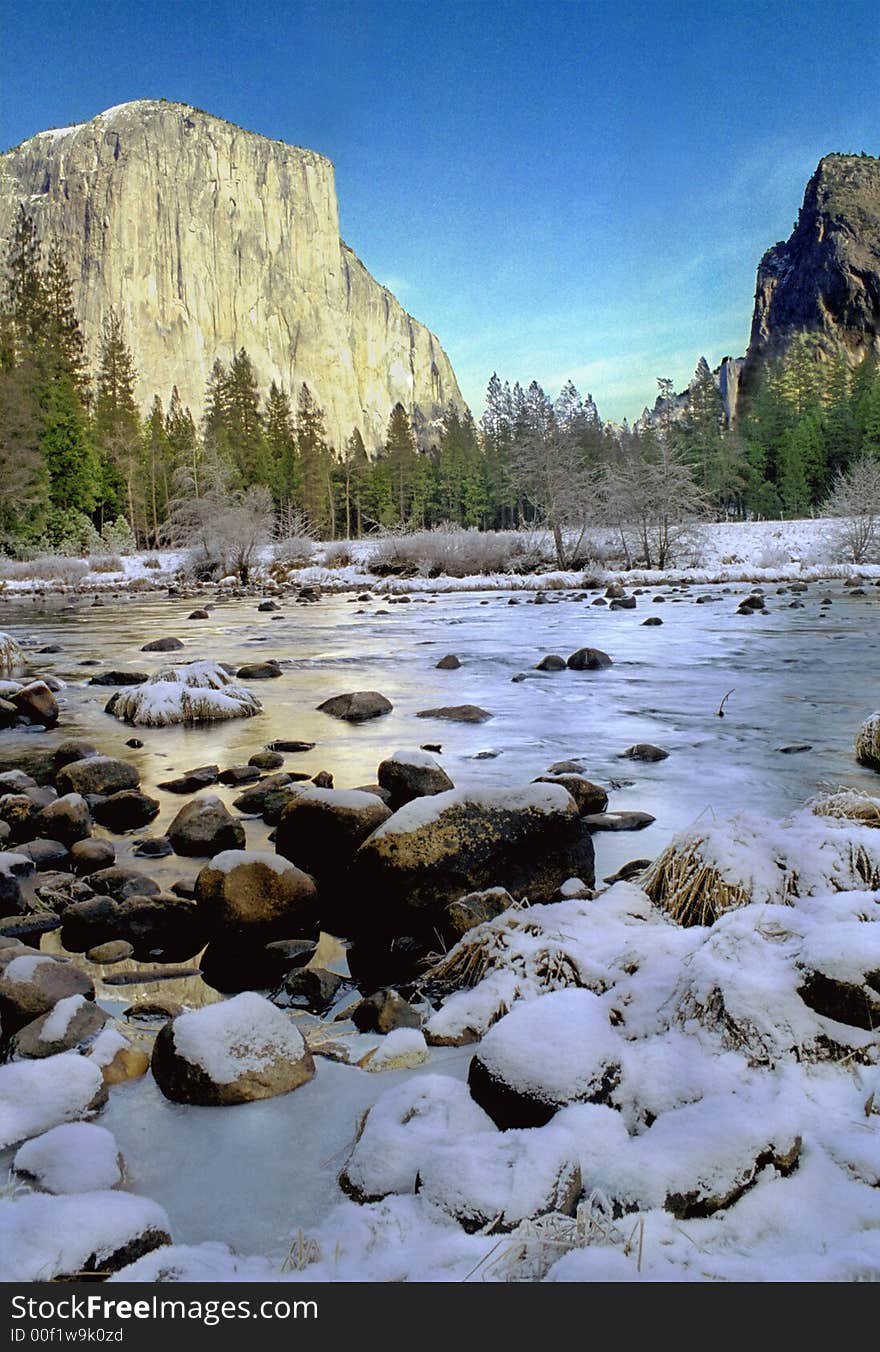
{"points": [[257, 849]]}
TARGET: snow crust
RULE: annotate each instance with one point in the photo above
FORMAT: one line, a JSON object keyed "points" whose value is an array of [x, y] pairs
{"points": [[402, 1048], [545, 799], [37, 1095], [58, 1019], [23, 968], [74, 1157], [233, 1037], [44, 1236]]}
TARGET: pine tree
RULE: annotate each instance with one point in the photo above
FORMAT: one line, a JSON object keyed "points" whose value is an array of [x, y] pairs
{"points": [[315, 460], [25, 300], [117, 426], [245, 432], [184, 447], [157, 467], [24, 475], [402, 460], [351, 472], [64, 339], [65, 441], [281, 447]]}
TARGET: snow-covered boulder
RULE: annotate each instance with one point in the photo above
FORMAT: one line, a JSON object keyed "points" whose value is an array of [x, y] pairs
{"points": [[73, 1157], [255, 895], [37, 1095], [12, 659], [71, 1023], [232, 1052], [411, 774], [545, 1053], [868, 742], [47, 1237], [320, 829], [402, 1049], [200, 692], [32, 984], [401, 1130], [434, 850]]}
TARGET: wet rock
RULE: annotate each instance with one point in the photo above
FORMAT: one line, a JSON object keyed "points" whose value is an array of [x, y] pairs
{"points": [[97, 775], [113, 951], [46, 854], [623, 603], [320, 830], [125, 811], [476, 908], [16, 876], [617, 821], [87, 923], [259, 671], [36, 703], [70, 1024], [154, 1007], [267, 606], [161, 927], [457, 713], [652, 620], [552, 662], [615, 591], [383, 1011], [411, 774], [120, 678], [795, 749], [844, 1001], [644, 751], [16, 781], [192, 780], [198, 615], [134, 742], [205, 827], [90, 855], [267, 760], [153, 847], [70, 751], [120, 883], [315, 988], [237, 1051], [256, 896], [255, 799], [569, 767], [18, 812], [356, 707], [588, 796], [31, 986], [628, 871], [162, 645], [290, 747], [323, 780], [448, 663], [239, 774], [8, 714], [589, 659], [28, 926]]}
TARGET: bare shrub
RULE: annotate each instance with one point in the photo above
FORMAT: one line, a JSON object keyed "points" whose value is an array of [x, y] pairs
{"points": [[223, 528], [855, 502], [450, 552], [50, 568], [338, 555], [152, 562], [106, 563]]}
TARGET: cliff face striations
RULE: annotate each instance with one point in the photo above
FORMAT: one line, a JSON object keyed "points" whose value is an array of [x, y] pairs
{"points": [[205, 238], [825, 279]]}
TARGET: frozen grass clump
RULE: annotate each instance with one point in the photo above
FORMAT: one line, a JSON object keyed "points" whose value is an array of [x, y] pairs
{"points": [[848, 805], [868, 742], [452, 552], [106, 563]]}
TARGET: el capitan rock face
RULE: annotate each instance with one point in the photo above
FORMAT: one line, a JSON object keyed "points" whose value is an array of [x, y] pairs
{"points": [[206, 238], [825, 279]]}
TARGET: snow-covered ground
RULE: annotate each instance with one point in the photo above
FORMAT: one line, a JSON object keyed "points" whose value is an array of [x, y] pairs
{"points": [[756, 551]]}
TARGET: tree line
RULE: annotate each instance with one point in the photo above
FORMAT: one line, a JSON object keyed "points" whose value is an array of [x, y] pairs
{"points": [[79, 464]]}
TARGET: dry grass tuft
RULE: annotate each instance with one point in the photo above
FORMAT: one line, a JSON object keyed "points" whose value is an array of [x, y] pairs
{"points": [[689, 890], [848, 805]]}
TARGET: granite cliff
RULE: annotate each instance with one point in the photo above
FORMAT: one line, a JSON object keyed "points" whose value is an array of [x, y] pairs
{"points": [[206, 238], [825, 279]]}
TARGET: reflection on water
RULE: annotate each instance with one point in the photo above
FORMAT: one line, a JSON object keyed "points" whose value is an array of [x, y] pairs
{"points": [[797, 676]]}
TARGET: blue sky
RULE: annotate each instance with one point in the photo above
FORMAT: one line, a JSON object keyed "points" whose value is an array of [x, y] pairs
{"points": [[557, 188]]}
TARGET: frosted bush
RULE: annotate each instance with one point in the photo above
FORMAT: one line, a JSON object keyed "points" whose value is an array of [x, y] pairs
{"points": [[48, 568]]}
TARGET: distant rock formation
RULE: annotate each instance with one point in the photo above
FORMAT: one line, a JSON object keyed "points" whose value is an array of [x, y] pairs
{"points": [[206, 238], [825, 279]]}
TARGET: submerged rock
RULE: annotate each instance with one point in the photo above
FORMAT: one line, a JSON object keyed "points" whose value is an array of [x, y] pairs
{"points": [[457, 713], [357, 707]]}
